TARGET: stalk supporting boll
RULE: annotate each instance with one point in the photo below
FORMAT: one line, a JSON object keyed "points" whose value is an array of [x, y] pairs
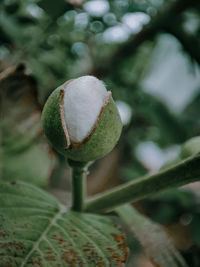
{"points": [[78, 181]]}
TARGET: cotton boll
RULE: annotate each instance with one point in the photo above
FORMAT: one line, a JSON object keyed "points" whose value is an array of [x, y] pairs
{"points": [[84, 97], [81, 120]]}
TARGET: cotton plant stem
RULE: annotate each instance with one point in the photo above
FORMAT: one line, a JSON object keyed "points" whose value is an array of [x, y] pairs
{"points": [[183, 173], [78, 174]]}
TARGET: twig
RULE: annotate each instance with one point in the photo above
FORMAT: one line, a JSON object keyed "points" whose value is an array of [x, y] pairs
{"points": [[186, 172]]}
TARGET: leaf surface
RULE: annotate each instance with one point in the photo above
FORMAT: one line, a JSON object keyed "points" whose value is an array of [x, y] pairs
{"points": [[25, 153], [157, 245], [36, 231]]}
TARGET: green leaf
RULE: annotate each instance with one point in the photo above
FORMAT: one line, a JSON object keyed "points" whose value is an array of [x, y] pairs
{"points": [[36, 231], [157, 245], [55, 10], [24, 151], [33, 166]]}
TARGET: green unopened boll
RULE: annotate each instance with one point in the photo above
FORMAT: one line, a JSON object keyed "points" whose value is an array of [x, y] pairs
{"points": [[81, 120]]}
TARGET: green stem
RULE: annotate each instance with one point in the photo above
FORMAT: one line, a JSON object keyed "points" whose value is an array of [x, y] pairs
{"points": [[186, 172], [78, 174]]}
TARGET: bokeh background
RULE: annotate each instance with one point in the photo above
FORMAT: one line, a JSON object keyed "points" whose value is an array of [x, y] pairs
{"points": [[148, 55]]}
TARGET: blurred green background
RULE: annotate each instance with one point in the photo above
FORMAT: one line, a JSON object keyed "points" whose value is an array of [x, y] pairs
{"points": [[147, 53]]}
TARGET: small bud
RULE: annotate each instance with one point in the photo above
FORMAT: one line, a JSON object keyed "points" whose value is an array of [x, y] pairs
{"points": [[81, 119], [190, 147]]}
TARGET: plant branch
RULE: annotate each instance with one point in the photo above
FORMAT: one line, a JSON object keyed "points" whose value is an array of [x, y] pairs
{"points": [[186, 172]]}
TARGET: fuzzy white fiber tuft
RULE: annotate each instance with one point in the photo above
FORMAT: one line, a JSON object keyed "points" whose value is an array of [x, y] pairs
{"points": [[83, 100]]}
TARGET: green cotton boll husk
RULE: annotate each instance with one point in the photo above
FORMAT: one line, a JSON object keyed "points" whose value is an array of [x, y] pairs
{"points": [[99, 143]]}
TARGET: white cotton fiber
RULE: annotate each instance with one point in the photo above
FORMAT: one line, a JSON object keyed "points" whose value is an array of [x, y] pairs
{"points": [[83, 100]]}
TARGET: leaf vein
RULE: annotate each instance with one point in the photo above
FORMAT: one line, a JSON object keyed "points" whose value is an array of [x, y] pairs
{"points": [[36, 245]]}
